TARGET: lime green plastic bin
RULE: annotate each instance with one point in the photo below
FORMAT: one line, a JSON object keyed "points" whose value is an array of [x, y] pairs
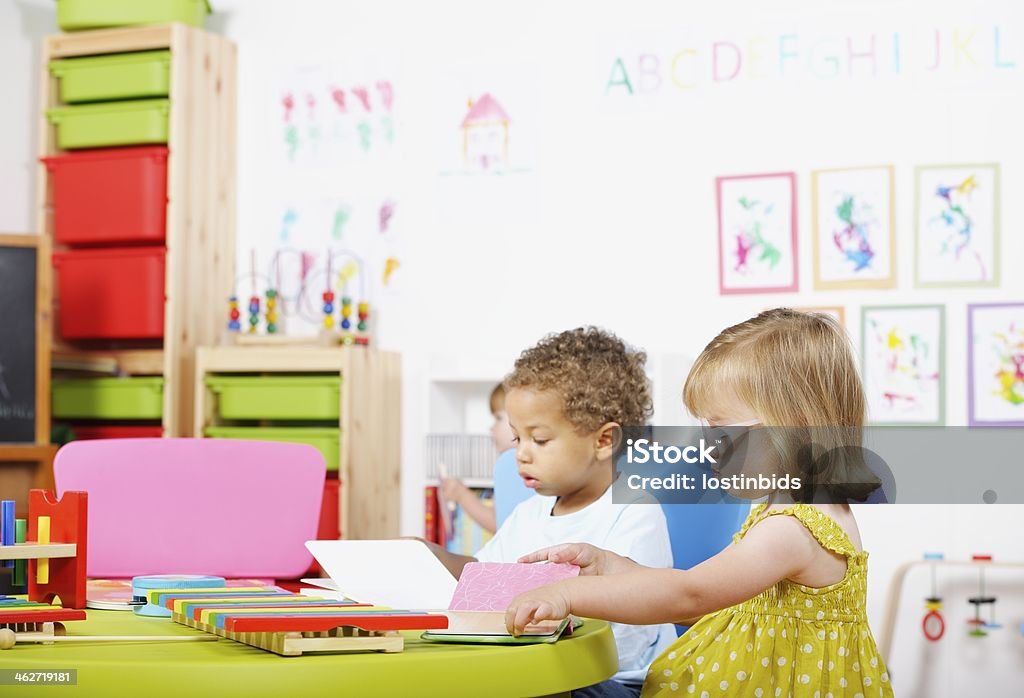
{"points": [[108, 398], [99, 125], [73, 15], [327, 441], [137, 75], [277, 397]]}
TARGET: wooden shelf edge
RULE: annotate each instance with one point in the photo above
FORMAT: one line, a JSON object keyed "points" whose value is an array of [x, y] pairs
{"points": [[26, 452], [132, 362], [120, 40]]}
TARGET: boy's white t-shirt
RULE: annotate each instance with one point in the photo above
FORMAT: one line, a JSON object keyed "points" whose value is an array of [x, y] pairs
{"points": [[636, 530]]}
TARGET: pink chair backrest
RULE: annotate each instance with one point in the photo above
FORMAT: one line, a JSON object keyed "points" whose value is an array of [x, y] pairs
{"points": [[196, 506]]}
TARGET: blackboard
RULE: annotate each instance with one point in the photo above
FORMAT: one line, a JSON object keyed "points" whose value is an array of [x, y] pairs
{"points": [[21, 343]]}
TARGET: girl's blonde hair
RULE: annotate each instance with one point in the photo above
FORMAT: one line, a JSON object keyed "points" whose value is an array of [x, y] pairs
{"points": [[797, 372]]}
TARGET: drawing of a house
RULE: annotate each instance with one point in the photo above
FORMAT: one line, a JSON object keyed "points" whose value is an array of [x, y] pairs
{"points": [[485, 133]]}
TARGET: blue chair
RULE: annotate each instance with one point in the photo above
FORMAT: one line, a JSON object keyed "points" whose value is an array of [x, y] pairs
{"points": [[699, 531], [509, 489]]}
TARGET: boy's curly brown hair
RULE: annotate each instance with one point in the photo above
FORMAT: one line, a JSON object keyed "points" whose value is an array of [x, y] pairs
{"points": [[599, 378]]}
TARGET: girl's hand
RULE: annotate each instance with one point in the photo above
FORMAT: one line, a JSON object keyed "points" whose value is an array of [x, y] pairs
{"points": [[591, 560], [453, 490], [550, 602]]}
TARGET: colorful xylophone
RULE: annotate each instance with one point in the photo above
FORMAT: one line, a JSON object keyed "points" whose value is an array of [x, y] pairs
{"points": [[31, 616], [290, 624]]}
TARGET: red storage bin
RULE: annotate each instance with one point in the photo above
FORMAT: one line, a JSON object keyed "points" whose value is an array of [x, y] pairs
{"points": [[112, 293], [330, 528], [115, 431], [110, 195]]}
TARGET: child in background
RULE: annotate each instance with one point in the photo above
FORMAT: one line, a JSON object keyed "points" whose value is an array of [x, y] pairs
{"points": [[567, 400], [453, 490], [782, 611]]}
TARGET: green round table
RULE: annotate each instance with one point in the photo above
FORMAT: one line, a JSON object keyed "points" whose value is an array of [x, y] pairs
{"points": [[225, 668]]}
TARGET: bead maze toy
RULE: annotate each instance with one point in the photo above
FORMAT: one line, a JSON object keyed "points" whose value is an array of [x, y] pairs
{"points": [[47, 554], [234, 314], [347, 332], [332, 312], [288, 624], [234, 324]]}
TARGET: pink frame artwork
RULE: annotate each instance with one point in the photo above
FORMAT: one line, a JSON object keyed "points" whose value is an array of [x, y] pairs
{"points": [[757, 238]]}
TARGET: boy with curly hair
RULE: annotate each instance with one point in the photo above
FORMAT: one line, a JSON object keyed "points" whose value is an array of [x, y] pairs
{"points": [[568, 399]]}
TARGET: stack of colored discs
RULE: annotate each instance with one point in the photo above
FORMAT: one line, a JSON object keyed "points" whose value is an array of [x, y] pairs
{"points": [[141, 586]]}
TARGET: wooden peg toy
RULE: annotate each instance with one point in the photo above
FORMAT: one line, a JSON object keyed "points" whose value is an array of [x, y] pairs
{"points": [[55, 547]]}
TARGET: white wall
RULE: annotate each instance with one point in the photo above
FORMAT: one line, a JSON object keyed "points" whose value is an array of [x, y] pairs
{"points": [[615, 223], [22, 23]]}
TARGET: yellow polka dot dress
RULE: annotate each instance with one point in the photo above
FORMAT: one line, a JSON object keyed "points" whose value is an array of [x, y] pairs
{"points": [[788, 641]]}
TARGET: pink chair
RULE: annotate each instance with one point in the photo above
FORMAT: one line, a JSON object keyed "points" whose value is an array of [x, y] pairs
{"points": [[196, 506]]}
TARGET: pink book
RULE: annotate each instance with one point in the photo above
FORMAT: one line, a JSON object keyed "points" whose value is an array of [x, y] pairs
{"points": [[491, 586]]}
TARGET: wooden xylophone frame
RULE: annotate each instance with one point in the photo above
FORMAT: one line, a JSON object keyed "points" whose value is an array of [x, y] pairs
{"points": [[294, 644], [47, 628], [46, 621]]}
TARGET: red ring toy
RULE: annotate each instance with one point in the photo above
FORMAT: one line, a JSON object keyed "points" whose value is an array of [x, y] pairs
{"points": [[928, 626]]}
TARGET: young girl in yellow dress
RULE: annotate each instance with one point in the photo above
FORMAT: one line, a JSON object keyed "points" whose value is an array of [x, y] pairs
{"points": [[781, 611]]}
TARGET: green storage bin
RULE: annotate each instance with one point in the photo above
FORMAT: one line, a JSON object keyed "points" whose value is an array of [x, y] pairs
{"points": [[327, 441], [111, 123], [73, 15], [277, 397], [118, 76], [108, 398]]}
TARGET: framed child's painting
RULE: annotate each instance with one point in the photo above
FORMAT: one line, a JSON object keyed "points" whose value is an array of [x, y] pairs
{"points": [[903, 350], [957, 226], [757, 233], [854, 228], [836, 312], [995, 364]]}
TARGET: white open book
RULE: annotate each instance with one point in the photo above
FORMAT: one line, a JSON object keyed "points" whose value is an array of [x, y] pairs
{"points": [[396, 573], [406, 574]]}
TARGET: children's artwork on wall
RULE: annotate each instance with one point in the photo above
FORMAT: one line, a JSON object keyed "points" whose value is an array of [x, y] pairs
{"points": [[854, 228], [334, 177], [757, 233], [487, 122], [957, 225], [324, 115], [489, 135], [836, 312], [995, 364], [903, 354], [485, 134]]}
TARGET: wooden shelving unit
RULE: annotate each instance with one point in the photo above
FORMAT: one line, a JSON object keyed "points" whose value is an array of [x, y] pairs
{"points": [[370, 420], [200, 209], [24, 467]]}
